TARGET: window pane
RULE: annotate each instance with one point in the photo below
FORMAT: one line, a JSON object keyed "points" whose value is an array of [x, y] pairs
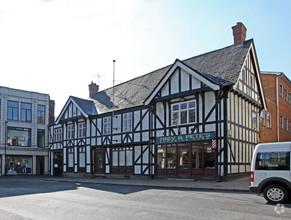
{"points": [[115, 158], [161, 158], [183, 158], [192, 104], [129, 158], [183, 119], [184, 106], [209, 157], [70, 159], [192, 115], [273, 161], [171, 157], [175, 107], [197, 157], [81, 159], [121, 158]]}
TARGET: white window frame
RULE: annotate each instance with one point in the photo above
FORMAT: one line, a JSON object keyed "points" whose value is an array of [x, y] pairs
{"points": [[127, 122], [254, 120], [281, 121], [286, 124], [269, 120], [107, 125], [262, 117], [281, 90], [70, 131], [178, 109], [58, 134], [81, 130]]}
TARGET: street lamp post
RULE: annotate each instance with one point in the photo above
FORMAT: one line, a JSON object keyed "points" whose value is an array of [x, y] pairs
{"points": [[6, 122]]}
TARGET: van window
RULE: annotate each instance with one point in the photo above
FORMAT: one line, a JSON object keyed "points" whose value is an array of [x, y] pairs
{"points": [[273, 161]]}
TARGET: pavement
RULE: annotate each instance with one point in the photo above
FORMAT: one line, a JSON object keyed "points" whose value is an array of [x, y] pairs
{"points": [[238, 184]]}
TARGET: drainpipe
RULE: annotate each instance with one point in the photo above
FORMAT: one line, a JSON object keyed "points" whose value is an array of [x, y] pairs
{"points": [[277, 107]]}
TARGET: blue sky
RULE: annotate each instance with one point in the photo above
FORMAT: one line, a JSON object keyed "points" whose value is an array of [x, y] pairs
{"points": [[59, 46]]}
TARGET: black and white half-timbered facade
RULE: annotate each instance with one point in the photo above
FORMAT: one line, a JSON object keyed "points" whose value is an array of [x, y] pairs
{"points": [[195, 118]]}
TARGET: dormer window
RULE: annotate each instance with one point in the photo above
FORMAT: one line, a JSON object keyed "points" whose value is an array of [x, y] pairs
{"points": [[184, 113]]}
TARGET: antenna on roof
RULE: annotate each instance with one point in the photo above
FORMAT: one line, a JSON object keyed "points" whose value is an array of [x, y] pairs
{"points": [[113, 81]]}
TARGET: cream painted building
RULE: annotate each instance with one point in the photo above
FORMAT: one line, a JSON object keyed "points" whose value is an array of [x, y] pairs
{"points": [[24, 120]]}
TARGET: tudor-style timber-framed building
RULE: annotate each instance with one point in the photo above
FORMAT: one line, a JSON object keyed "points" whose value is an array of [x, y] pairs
{"points": [[195, 118]]}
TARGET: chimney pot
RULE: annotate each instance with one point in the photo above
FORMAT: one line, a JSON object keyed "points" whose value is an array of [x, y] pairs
{"points": [[239, 33], [93, 88]]}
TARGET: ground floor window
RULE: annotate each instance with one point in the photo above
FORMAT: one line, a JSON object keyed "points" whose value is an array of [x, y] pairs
{"points": [[122, 160], [82, 162], [18, 165], [191, 159], [70, 157]]}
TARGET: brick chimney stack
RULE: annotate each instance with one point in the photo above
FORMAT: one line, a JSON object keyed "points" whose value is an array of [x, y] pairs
{"points": [[239, 33], [93, 88]]}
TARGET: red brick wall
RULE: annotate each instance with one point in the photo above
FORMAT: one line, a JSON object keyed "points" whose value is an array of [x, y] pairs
{"points": [[284, 109]]}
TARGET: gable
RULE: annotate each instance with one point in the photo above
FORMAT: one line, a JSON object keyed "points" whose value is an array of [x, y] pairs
{"points": [[71, 110], [181, 78], [249, 81]]}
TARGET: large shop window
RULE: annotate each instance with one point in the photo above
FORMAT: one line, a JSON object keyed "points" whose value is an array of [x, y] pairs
{"points": [[200, 155], [184, 113], [12, 110], [19, 137], [122, 156], [17, 165]]}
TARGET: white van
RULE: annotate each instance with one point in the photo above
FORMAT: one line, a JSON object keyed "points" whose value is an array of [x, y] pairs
{"points": [[270, 171]]}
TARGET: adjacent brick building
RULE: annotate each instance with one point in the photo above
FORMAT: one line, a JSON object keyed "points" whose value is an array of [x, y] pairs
{"points": [[276, 120]]}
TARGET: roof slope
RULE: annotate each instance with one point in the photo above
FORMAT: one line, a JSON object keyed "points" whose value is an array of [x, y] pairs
{"points": [[222, 66], [87, 106]]}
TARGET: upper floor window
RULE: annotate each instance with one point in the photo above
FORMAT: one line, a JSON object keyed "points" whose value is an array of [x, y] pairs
{"points": [[40, 113], [183, 113], [70, 131], [12, 110], [268, 120], [286, 124], [244, 75], [254, 120], [58, 134], [290, 98], [127, 122], [106, 125], [262, 118], [281, 90], [281, 122], [25, 112], [290, 126], [81, 130], [286, 95]]}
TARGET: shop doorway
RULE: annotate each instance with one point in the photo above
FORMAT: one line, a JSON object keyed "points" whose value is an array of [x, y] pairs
{"points": [[99, 161], [58, 164], [184, 159], [39, 165], [195, 159]]}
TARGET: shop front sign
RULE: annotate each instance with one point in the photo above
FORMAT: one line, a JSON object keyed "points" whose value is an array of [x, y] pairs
{"points": [[186, 138]]}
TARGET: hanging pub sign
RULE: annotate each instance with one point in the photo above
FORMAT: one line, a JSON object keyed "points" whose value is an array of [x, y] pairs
{"points": [[186, 138]]}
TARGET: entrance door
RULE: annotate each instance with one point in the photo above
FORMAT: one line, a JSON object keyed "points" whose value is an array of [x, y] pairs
{"points": [[99, 161], [58, 164], [39, 165], [184, 162]]}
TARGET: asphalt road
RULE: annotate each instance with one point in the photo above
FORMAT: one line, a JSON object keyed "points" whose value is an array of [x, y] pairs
{"points": [[37, 199]]}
